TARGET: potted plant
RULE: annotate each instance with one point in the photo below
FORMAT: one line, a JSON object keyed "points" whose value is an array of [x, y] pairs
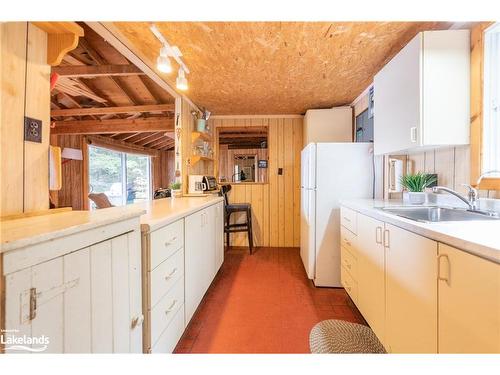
{"points": [[415, 184], [175, 188]]}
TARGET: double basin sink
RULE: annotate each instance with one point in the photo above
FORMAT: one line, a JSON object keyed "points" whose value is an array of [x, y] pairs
{"points": [[427, 214]]}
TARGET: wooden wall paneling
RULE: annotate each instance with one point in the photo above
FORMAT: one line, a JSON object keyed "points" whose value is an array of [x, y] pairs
{"points": [[13, 74], [273, 141], [429, 162], [297, 148], [266, 241], [276, 205], [444, 162], [36, 155], [461, 168], [288, 181], [257, 200]]}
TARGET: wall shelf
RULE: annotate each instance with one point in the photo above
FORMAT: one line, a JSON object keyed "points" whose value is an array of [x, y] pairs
{"points": [[196, 158], [201, 135]]}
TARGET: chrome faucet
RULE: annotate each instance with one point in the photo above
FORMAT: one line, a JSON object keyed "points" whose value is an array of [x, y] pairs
{"points": [[471, 199]]}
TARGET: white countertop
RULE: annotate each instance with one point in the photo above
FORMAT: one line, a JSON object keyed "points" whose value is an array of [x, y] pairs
{"points": [[28, 231], [161, 212], [480, 238]]}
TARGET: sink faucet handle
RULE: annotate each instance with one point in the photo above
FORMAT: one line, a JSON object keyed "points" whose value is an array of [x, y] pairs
{"points": [[472, 195]]}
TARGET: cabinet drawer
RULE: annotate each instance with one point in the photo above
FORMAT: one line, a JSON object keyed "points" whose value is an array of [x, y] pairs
{"points": [[347, 239], [349, 262], [165, 241], [348, 219], [170, 337], [165, 276], [350, 285], [163, 313]]}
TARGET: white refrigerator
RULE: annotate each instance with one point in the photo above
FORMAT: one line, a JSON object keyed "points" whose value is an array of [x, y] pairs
{"points": [[329, 172]]}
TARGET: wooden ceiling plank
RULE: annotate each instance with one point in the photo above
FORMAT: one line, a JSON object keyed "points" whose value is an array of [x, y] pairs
{"points": [[77, 88], [139, 136], [85, 44], [88, 71], [113, 110], [159, 143], [152, 124], [152, 139]]}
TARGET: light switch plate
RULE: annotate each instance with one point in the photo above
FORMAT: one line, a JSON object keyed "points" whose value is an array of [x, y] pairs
{"points": [[32, 130]]}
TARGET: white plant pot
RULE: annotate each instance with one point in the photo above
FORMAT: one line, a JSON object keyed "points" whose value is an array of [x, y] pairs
{"points": [[176, 193], [416, 197]]}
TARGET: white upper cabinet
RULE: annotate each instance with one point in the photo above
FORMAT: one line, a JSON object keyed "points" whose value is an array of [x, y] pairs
{"points": [[422, 94]]}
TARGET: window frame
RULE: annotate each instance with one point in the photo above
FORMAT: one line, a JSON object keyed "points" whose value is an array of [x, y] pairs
{"points": [[477, 61], [123, 165]]}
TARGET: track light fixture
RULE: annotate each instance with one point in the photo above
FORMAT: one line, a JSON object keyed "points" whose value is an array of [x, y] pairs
{"points": [[181, 81], [163, 62]]}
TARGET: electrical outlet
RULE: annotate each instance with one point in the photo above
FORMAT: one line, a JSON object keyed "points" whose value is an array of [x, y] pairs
{"points": [[280, 171], [32, 130]]}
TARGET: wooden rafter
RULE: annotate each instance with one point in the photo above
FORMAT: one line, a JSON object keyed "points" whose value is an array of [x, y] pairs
{"points": [[159, 143], [101, 61], [150, 139], [151, 124], [77, 88], [113, 110], [87, 71]]}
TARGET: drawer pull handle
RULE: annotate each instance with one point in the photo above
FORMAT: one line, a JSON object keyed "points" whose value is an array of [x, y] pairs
{"points": [[169, 276], [348, 265], [172, 306], [171, 241], [387, 238], [137, 321], [347, 242], [346, 219]]}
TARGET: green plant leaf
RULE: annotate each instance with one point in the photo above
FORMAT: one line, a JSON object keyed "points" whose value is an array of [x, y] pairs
{"points": [[417, 182]]}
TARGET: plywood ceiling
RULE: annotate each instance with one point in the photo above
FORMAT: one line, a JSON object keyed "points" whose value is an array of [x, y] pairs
{"points": [[276, 67]]}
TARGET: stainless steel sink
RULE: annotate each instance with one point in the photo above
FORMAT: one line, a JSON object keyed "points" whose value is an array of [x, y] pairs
{"points": [[428, 214]]}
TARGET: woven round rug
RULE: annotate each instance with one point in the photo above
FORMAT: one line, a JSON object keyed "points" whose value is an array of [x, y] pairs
{"points": [[338, 336]]}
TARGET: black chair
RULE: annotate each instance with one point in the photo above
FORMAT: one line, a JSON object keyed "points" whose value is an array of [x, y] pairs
{"points": [[229, 209]]}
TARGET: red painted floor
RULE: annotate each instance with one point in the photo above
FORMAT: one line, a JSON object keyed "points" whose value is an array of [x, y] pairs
{"points": [[262, 303]]}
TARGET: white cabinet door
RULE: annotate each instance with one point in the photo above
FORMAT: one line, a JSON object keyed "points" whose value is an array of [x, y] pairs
{"points": [[219, 236], [209, 229], [371, 273], [83, 302], [469, 303], [194, 272], [397, 101], [411, 292]]}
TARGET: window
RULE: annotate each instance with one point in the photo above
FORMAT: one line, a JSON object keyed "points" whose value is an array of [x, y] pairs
{"points": [[491, 101], [484, 110], [242, 154], [125, 178]]}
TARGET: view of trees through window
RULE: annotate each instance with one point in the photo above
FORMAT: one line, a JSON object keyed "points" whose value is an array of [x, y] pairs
{"points": [[124, 178]]}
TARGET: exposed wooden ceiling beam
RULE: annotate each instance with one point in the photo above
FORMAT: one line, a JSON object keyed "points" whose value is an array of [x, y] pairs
{"points": [[84, 43], [150, 139], [159, 143], [113, 110], [151, 124], [86, 71], [125, 136]]}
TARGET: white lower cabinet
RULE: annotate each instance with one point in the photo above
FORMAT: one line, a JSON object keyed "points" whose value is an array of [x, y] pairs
{"points": [[371, 273], [180, 262], [418, 295], [411, 292], [469, 303], [200, 257], [87, 301]]}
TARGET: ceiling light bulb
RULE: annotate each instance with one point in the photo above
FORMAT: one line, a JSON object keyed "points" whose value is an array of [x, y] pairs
{"points": [[181, 82], [164, 51], [163, 64]]}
